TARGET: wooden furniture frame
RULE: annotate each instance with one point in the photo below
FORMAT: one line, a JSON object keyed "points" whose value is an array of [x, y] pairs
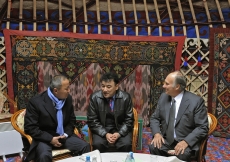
{"points": [[7, 104], [203, 147], [135, 133], [29, 138]]}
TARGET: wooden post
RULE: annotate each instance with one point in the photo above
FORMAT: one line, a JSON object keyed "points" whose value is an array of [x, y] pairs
{"points": [[98, 16], [60, 14], [46, 15], [74, 16], [220, 13], [110, 18], [158, 17], [20, 14], [182, 18], [124, 18], [85, 16], [170, 17], [135, 17], [147, 17], [34, 15], [207, 13]]}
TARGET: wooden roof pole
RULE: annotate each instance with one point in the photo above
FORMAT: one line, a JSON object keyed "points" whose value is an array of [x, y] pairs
{"points": [[220, 13], [124, 18], [182, 19], [184, 31], [110, 18], [135, 17], [98, 16], [46, 15], [170, 17], [8, 14], [20, 14], [147, 17], [74, 16], [195, 21], [158, 17], [34, 15], [60, 14], [207, 13], [85, 16], [198, 38]]}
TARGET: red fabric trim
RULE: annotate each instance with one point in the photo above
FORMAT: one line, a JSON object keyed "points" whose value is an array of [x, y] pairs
{"points": [[8, 33]]}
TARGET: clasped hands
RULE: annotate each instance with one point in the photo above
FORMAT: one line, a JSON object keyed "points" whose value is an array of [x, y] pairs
{"points": [[55, 141], [179, 148], [112, 138]]}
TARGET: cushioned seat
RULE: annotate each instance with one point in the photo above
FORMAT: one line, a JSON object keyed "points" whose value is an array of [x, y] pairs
{"points": [[17, 121]]}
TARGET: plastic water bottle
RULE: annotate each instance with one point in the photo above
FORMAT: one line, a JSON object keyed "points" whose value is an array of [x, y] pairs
{"points": [[94, 159], [87, 158], [130, 157]]}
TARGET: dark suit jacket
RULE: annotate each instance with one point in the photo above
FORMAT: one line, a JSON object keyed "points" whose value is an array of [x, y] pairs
{"points": [[41, 120], [191, 122]]}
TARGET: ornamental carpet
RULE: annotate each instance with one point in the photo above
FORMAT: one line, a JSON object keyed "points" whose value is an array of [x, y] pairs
{"points": [[218, 149], [219, 80], [141, 62]]}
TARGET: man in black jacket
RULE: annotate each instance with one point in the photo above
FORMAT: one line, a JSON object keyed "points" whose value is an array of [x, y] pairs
{"points": [[49, 120], [110, 116]]}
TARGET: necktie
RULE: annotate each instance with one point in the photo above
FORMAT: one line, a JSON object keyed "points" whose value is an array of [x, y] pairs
{"points": [[111, 104], [170, 129]]}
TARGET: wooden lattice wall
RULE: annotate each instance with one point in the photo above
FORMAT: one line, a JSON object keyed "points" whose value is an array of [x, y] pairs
{"points": [[196, 77]]}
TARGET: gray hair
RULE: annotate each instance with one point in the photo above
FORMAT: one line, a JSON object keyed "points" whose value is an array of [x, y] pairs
{"points": [[56, 81], [180, 79]]}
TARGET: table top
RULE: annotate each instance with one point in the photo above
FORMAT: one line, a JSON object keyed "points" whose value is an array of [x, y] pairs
{"points": [[120, 157]]}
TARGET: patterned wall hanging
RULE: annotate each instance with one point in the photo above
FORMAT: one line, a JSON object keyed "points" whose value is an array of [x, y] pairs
{"points": [[219, 79], [142, 64]]}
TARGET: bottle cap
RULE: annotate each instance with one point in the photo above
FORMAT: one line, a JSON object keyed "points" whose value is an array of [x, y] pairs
{"points": [[87, 157], [131, 154]]}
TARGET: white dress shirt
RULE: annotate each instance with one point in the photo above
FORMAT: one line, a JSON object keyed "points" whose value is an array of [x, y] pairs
{"points": [[177, 99]]}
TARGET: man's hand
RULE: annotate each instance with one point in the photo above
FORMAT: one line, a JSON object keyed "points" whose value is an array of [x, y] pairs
{"points": [[109, 137], [116, 135], [112, 138], [157, 140], [55, 141], [180, 147]]}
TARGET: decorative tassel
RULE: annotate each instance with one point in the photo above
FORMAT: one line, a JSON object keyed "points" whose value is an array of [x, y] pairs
{"points": [[199, 62], [185, 62]]}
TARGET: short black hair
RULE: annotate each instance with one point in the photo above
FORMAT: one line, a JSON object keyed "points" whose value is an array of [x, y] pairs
{"points": [[110, 76]]}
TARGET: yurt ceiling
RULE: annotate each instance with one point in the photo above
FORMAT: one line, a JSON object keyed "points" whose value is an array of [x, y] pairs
{"points": [[162, 8]]}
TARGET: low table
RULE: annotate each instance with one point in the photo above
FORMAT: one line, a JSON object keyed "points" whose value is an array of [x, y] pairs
{"points": [[120, 157]]}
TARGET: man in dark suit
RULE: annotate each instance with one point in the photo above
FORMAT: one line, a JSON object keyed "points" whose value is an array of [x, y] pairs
{"points": [[110, 116], [49, 120], [179, 122]]}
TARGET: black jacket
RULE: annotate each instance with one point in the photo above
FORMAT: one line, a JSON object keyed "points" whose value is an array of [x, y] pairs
{"points": [[41, 120], [123, 113]]}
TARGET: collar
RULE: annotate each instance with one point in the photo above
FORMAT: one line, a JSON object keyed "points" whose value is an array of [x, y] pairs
{"points": [[179, 97]]}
